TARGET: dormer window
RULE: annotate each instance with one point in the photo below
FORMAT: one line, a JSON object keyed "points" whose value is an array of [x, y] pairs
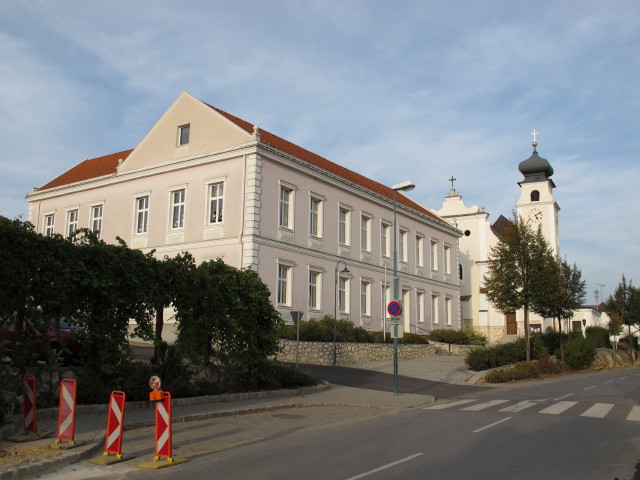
{"points": [[535, 196], [183, 134]]}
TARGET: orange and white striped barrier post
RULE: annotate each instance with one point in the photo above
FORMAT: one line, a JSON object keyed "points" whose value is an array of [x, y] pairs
{"points": [[164, 438], [29, 412], [115, 424], [67, 416], [115, 427]]}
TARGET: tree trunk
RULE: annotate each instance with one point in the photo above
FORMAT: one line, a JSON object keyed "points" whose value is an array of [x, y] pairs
{"points": [[561, 344], [630, 345], [19, 333], [158, 335], [526, 331]]}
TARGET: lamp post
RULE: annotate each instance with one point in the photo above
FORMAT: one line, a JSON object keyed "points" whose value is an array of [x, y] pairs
{"points": [[335, 305], [400, 187]]}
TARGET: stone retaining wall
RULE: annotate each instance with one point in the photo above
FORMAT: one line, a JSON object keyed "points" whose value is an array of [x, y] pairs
{"points": [[321, 353], [461, 350]]}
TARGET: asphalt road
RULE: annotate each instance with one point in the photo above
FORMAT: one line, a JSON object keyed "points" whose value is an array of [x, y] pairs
{"points": [[360, 378]]}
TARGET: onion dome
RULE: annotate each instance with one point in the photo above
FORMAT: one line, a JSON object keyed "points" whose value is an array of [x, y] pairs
{"points": [[535, 168]]}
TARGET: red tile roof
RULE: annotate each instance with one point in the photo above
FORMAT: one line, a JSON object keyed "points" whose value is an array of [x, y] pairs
{"points": [[94, 168], [106, 165]]}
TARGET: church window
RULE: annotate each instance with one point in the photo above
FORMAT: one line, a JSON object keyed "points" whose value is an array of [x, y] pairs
{"points": [[535, 196]]}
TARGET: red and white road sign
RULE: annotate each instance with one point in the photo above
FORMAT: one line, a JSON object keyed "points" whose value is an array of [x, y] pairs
{"points": [[163, 427], [67, 410], [115, 423], [29, 420]]}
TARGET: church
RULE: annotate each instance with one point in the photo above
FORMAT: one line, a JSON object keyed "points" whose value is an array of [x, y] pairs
{"points": [[537, 204]]}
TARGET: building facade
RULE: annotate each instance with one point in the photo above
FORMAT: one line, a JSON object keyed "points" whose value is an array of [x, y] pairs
{"points": [[207, 182]]}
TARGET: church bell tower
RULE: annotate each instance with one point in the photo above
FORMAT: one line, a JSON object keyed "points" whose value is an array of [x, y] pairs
{"points": [[536, 201]]}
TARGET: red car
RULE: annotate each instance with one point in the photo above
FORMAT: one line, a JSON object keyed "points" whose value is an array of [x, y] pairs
{"points": [[64, 346]]}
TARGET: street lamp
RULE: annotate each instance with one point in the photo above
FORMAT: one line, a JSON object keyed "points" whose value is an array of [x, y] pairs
{"points": [[335, 305], [400, 187]]}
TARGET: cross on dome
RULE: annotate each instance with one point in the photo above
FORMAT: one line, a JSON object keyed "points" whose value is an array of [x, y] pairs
{"points": [[534, 133]]}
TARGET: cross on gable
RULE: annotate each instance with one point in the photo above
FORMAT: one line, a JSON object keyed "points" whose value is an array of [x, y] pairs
{"points": [[452, 180]]}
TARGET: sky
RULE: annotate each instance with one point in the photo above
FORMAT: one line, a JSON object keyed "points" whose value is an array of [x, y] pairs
{"points": [[394, 90]]}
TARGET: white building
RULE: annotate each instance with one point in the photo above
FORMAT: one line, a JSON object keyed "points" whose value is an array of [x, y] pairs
{"points": [[536, 203], [212, 184]]}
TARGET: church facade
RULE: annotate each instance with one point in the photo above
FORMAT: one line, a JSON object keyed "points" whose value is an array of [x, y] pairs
{"points": [[319, 235]]}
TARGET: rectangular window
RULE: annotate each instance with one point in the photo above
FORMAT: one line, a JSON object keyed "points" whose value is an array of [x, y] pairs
{"points": [[385, 242], [72, 222], [315, 283], [177, 209], [315, 217], [49, 225], [386, 296], [447, 259], [343, 295], [96, 220], [284, 285], [142, 214], [419, 250], [216, 201], [434, 309], [183, 134], [402, 247], [286, 207], [365, 233], [447, 310], [365, 298], [434, 255], [420, 307], [344, 226]]}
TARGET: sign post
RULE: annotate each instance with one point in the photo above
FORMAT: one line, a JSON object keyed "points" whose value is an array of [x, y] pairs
{"points": [[395, 309], [296, 317]]}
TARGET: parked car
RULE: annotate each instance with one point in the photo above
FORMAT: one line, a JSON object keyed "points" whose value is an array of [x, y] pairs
{"points": [[65, 347]]}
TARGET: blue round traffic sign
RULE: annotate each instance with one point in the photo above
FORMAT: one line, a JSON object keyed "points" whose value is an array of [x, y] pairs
{"points": [[394, 308]]}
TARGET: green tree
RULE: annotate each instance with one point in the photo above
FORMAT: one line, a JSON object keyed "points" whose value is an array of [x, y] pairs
{"points": [[520, 265], [566, 294], [624, 305]]}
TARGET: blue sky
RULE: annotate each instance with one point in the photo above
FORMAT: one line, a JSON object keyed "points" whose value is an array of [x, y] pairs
{"points": [[393, 90]]}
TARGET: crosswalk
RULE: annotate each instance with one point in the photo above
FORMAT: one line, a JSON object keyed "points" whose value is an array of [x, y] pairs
{"points": [[543, 406]]}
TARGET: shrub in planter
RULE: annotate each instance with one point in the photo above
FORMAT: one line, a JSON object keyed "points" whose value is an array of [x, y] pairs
{"points": [[475, 338], [481, 359], [520, 371], [578, 353], [443, 335]]}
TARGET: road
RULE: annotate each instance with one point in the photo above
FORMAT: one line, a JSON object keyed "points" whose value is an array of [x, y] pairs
{"points": [[574, 427]]}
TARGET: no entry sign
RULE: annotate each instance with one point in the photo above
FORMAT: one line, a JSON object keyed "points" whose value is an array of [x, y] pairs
{"points": [[394, 308]]}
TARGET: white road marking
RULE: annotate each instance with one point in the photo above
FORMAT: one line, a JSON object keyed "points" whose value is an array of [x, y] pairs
{"points": [[518, 407], [592, 386], [384, 467], [451, 404], [557, 408], [482, 406], [634, 414], [599, 410], [565, 396], [492, 424]]}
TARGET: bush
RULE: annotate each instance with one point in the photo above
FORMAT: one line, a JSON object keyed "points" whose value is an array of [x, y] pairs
{"points": [[598, 337], [497, 356], [520, 371], [321, 330], [456, 337], [578, 353], [412, 338], [550, 340], [474, 337]]}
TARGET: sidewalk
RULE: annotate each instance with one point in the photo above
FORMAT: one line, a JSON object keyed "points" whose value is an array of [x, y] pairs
{"points": [[215, 418]]}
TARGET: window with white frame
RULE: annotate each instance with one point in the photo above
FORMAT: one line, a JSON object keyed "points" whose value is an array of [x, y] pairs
{"points": [[402, 245], [142, 215], [72, 222], [420, 307], [315, 289], [177, 209], [434, 255], [385, 239], [96, 220], [365, 233], [284, 285], [315, 216], [49, 224], [183, 134], [343, 294], [344, 226], [365, 298], [434, 308], [285, 216], [447, 259], [419, 251], [447, 310], [216, 202]]}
